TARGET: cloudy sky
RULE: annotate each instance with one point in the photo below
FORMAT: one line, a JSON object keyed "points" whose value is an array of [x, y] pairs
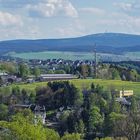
{"points": [[67, 18]]}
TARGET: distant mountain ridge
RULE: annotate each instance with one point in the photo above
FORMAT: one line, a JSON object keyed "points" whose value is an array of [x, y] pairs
{"points": [[116, 43]]}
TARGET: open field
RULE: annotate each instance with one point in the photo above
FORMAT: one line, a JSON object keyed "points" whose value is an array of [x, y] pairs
{"points": [[85, 83], [134, 55], [70, 56], [54, 55]]}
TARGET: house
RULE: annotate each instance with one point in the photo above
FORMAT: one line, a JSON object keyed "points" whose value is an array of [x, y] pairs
{"points": [[51, 77], [11, 78], [123, 101], [30, 80], [124, 93], [6, 78], [122, 97], [21, 107], [40, 112], [3, 74]]}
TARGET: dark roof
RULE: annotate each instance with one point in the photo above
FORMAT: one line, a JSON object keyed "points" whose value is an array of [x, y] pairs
{"points": [[123, 101]]}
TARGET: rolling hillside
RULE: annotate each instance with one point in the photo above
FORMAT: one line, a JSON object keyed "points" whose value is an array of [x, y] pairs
{"points": [[85, 83], [106, 43]]}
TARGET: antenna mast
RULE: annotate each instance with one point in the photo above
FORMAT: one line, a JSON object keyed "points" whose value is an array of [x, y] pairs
{"points": [[95, 62]]}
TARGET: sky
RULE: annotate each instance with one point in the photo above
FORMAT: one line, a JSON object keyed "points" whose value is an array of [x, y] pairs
{"points": [[33, 19]]}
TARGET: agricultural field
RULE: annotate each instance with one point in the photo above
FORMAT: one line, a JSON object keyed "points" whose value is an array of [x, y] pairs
{"points": [[85, 83], [134, 55], [70, 56]]}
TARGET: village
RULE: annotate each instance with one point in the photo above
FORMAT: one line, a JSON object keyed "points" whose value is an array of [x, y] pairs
{"points": [[54, 78]]}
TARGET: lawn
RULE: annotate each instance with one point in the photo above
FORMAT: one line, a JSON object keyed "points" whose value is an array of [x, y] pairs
{"points": [[85, 83]]}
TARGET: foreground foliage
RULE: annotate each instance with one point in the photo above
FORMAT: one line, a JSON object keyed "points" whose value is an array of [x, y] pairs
{"points": [[77, 114], [22, 127]]}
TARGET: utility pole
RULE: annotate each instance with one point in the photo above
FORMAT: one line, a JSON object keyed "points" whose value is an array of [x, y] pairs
{"points": [[95, 62]]}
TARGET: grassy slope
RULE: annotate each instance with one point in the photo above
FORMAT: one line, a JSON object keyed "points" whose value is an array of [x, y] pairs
{"points": [[54, 55], [108, 84], [67, 55], [134, 55]]}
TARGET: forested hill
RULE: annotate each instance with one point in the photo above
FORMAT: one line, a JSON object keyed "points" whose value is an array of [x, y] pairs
{"points": [[106, 42]]}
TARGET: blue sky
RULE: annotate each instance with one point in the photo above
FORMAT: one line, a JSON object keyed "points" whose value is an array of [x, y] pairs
{"points": [[31, 19]]}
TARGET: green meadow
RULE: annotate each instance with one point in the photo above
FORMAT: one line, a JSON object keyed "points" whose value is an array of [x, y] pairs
{"points": [[134, 55], [85, 83], [54, 55], [69, 56]]}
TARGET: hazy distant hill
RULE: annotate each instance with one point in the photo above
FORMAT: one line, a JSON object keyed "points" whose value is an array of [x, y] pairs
{"points": [[106, 42]]}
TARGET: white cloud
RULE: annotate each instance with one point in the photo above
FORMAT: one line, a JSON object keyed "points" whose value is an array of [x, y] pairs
{"points": [[124, 6], [16, 32], [8, 19], [74, 29], [16, 3], [132, 9], [122, 21], [50, 8], [93, 10]]}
